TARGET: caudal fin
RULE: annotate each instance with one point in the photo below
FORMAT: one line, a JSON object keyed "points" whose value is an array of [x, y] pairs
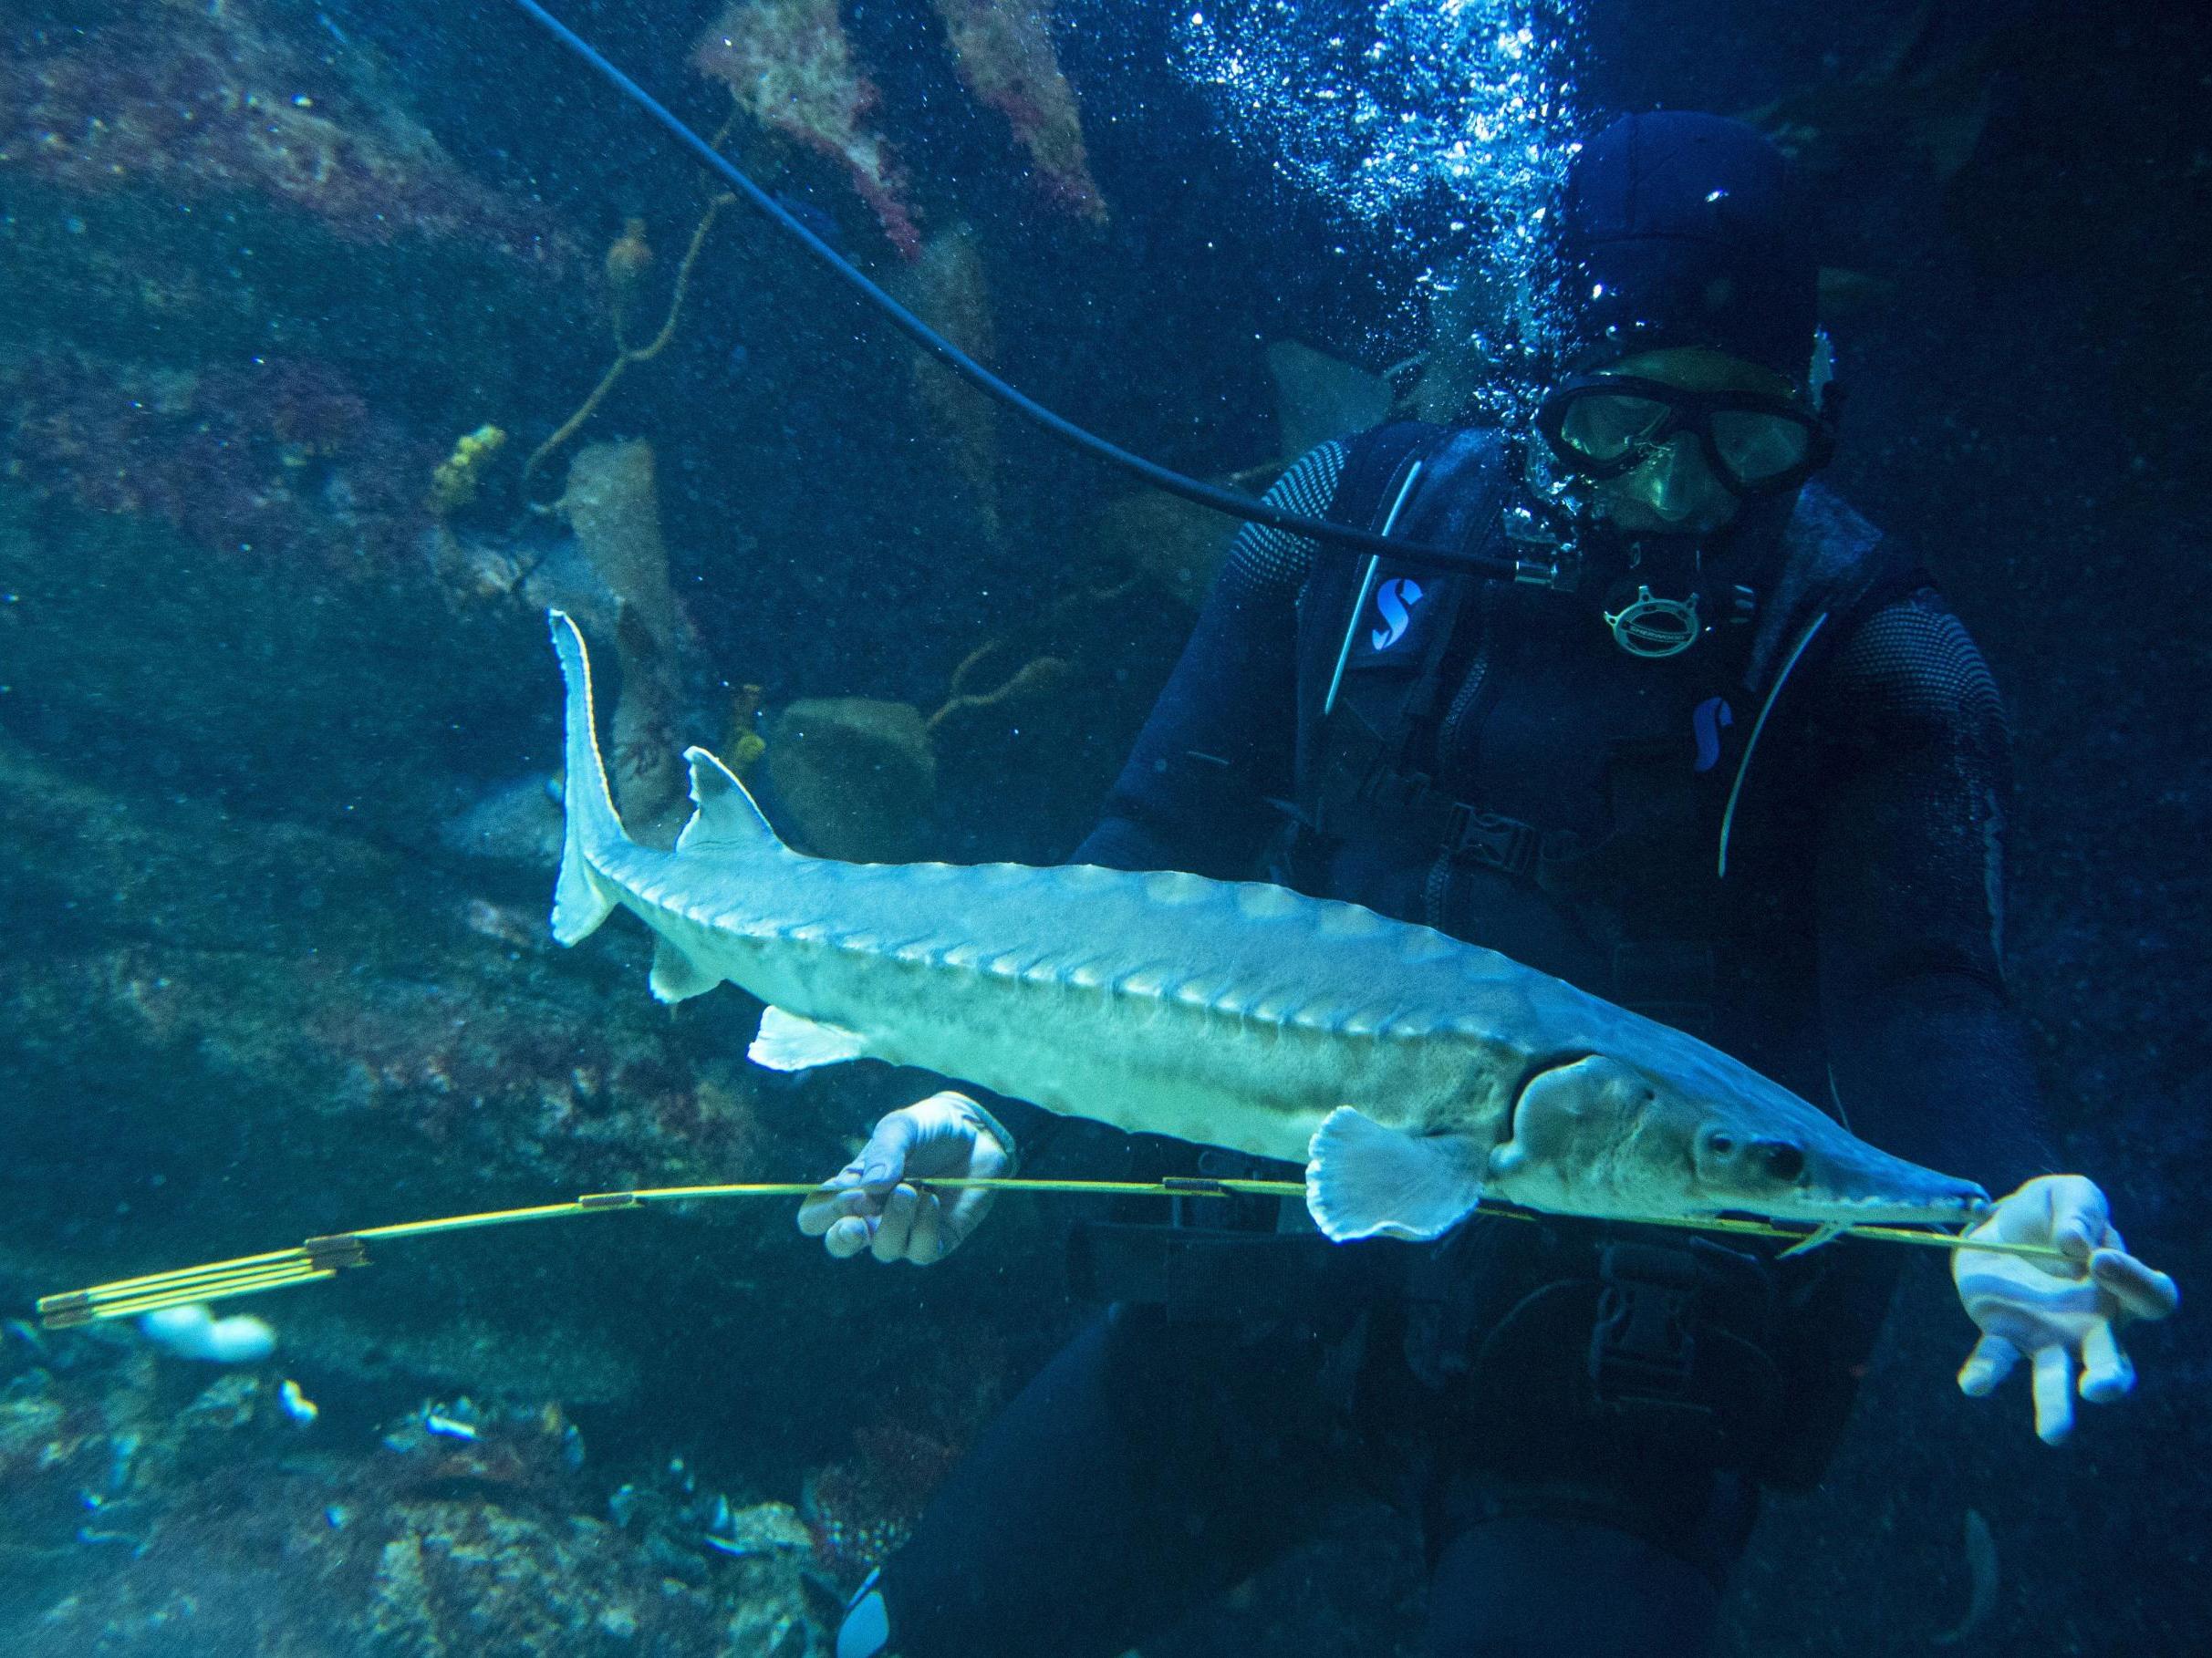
{"points": [[583, 898]]}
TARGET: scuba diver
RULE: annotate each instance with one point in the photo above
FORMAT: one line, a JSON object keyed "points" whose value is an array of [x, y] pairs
{"points": [[1731, 761]]}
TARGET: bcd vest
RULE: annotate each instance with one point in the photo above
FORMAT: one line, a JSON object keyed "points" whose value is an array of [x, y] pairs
{"points": [[1635, 906]]}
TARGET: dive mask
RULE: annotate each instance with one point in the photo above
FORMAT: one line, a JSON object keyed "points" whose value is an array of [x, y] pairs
{"points": [[1755, 442]]}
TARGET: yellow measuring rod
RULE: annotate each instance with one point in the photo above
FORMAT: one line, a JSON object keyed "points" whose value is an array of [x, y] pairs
{"points": [[327, 1256]]}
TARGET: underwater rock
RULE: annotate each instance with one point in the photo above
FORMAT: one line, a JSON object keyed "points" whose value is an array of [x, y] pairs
{"points": [[517, 822], [198, 103], [790, 66], [946, 288], [415, 1341], [1179, 546], [278, 680], [465, 1577], [1002, 50], [854, 778], [213, 181], [612, 504], [192, 982], [1318, 397]]}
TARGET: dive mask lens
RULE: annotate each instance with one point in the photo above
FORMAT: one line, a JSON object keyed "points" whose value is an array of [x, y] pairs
{"points": [[1603, 429], [1756, 444], [1757, 448]]}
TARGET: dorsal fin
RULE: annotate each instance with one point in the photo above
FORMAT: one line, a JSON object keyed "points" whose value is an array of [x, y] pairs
{"points": [[728, 819]]}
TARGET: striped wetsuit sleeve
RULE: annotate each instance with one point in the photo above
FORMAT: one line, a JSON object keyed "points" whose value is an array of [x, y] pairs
{"points": [[1929, 1059]]}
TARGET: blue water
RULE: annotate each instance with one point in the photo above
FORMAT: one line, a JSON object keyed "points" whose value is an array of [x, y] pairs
{"points": [[279, 738]]}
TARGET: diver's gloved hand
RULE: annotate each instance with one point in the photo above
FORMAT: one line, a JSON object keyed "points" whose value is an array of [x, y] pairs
{"points": [[867, 1205], [2056, 1313]]}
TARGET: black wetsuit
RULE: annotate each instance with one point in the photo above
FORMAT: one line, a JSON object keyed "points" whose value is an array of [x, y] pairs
{"points": [[1161, 1459]]}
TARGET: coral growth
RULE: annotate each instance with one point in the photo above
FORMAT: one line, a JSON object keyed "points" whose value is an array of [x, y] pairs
{"points": [[1003, 50], [458, 477], [790, 66], [861, 1510], [281, 458], [138, 1517]]}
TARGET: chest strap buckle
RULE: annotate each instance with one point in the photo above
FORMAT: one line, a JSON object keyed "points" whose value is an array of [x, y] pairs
{"points": [[1489, 838], [1644, 1347]]}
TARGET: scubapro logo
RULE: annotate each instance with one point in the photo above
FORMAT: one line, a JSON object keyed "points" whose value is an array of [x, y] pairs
{"points": [[1707, 720], [1394, 602]]}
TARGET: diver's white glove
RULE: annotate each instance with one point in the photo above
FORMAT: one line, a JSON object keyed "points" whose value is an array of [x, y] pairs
{"points": [[867, 1205], [2056, 1312]]}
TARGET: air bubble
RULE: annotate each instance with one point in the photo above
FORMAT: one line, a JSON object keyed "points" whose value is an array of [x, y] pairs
{"points": [[1473, 101]]}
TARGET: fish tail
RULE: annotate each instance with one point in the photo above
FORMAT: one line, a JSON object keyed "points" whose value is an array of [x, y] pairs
{"points": [[584, 898]]}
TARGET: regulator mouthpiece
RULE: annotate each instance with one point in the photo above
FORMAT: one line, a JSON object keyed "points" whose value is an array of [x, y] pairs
{"points": [[1645, 624]]}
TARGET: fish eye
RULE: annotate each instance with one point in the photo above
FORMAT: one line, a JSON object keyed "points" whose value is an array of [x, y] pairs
{"points": [[1721, 1146], [1784, 1161]]}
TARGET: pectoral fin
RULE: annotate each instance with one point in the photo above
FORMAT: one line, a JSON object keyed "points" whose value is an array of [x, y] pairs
{"points": [[788, 1042], [1362, 1180]]}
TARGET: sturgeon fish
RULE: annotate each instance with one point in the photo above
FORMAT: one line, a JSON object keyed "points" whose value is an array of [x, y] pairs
{"points": [[1412, 1074]]}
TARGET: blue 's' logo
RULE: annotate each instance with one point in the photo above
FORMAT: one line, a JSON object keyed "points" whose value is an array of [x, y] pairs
{"points": [[1706, 720], [1394, 600]]}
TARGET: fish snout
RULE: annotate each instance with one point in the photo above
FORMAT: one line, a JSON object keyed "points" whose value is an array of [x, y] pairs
{"points": [[1874, 1187], [1819, 1172], [1967, 1200]]}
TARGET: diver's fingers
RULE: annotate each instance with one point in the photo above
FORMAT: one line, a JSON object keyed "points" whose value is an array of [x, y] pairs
{"points": [[846, 1237], [878, 1164], [884, 1158], [2080, 1220], [1990, 1362], [2143, 1292], [927, 1244], [2053, 1392], [898, 1223], [2106, 1373], [820, 1210]]}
